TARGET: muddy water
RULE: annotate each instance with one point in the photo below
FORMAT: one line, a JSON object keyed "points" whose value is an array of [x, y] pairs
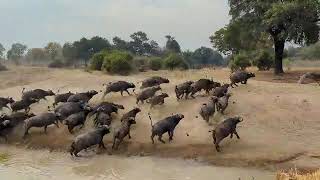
{"points": [[19, 164]]}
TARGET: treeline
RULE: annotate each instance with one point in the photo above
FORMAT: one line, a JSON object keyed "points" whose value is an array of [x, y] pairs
{"points": [[145, 53]]}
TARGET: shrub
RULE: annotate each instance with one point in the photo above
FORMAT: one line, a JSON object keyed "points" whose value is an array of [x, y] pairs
{"points": [[155, 64], [3, 67], [240, 61], [118, 62], [141, 63], [97, 60], [56, 64], [311, 52], [264, 60], [175, 61], [287, 63]]}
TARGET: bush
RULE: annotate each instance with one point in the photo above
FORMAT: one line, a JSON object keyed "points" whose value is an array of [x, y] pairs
{"points": [[175, 61], [264, 60], [287, 63], [56, 64], [3, 67], [311, 52], [240, 61], [141, 63], [155, 64], [118, 62], [97, 60]]}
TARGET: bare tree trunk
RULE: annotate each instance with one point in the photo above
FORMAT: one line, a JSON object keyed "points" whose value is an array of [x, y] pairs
{"points": [[278, 49]]}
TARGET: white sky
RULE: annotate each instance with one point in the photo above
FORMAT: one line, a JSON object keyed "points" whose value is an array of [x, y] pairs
{"points": [[36, 22]]}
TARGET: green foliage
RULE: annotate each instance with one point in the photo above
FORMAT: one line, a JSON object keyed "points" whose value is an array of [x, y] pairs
{"points": [[118, 62], [141, 63], [53, 49], [172, 46], [175, 61], [205, 56], [16, 52], [311, 52], [2, 50], [287, 63], [86, 48], [4, 157], [287, 20], [155, 64], [240, 61], [236, 37], [69, 52], [36, 55], [97, 60], [120, 44], [263, 60]]}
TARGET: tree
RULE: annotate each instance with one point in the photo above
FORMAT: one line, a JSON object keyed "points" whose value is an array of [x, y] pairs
{"points": [[53, 49], [69, 52], [36, 54], [86, 48], [16, 52], [236, 37], [205, 56], [172, 45], [285, 20], [175, 61], [118, 62], [240, 61], [98, 43], [120, 44], [139, 43], [2, 50]]}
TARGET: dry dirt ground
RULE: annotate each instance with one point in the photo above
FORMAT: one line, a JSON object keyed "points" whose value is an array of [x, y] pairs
{"points": [[280, 129]]}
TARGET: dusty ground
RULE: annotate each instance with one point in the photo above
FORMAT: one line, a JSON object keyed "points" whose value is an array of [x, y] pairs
{"points": [[291, 76], [280, 130]]}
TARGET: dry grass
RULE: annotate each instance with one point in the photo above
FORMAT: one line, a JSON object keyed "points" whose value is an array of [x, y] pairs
{"points": [[294, 175]]}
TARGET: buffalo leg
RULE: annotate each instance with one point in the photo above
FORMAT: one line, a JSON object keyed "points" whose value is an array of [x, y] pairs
{"points": [[128, 92], [217, 147], [160, 139], [101, 144], [119, 142], [70, 128], [170, 135], [129, 134], [45, 129], [152, 136], [235, 132]]}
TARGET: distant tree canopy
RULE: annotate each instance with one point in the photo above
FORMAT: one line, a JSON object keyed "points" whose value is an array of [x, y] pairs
{"points": [[139, 44], [282, 21], [85, 48], [36, 54], [16, 52], [2, 50], [172, 45], [144, 54], [206, 55], [69, 52], [120, 44], [53, 49]]}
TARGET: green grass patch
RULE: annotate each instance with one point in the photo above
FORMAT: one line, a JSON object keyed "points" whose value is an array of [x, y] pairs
{"points": [[4, 157]]}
